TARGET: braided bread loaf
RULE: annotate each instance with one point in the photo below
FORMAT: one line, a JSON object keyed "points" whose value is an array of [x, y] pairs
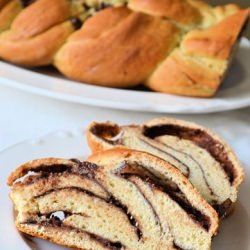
{"points": [[205, 159], [181, 47], [119, 199]]}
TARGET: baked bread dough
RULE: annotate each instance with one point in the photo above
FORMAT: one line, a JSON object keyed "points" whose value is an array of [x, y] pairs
{"points": [[182, 47], [119, 199], [204, 158], [120, 52]]}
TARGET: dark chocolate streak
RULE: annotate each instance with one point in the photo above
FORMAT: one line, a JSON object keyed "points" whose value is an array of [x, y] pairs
{"points": [[55, 222], [200, 138], [78, 189], [111, 200], [171, 189], [150, 204], [101, 130], [103, 6], [192, 158], [26, 3], [86, 6], [224, 209], [76, 22], [86, 169], [172, 156], [177, 247], [106, 132]]}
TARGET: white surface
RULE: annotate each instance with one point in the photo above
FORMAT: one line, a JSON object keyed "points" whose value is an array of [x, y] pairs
{"points": [[234, 93], [24, 116], [234, 232]]}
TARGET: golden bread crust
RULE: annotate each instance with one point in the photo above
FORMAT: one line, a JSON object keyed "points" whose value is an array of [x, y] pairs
{"points": [[198, 67], [32, 165], [179, 11], [8, 13], [39, 17], [217, 41], [125, 46], [37, 32], [3, 2], [181, 75], [134, 44], [26, 52]]}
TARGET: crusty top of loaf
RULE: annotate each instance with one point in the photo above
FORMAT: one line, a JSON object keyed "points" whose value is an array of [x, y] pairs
{"points": [[179, 11], [125, 46], [217, 41], [133, 40]]}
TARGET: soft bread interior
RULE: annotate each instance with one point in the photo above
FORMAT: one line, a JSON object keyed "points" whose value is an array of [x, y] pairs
{"points": [[74, 203], [205, 159]]}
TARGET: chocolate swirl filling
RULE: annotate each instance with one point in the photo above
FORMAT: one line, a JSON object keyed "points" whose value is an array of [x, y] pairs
{"points": [[112, 134], [166, 186], [126, 170], [26, 3], [56, 222], [111, 200], [199, 137]]}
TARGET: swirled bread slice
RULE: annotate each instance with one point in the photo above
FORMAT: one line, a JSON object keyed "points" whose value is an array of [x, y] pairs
{"points": [[199, 154], [119, 199]]}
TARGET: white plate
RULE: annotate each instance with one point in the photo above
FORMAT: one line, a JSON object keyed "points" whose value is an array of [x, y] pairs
{"points": [[234, 232], [233, 94]]}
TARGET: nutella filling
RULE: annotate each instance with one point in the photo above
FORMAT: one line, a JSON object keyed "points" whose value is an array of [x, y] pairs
{"points": [[56, 222], [169, 188], [200, 138], [87, 169], [112, 200], [76, 22], [110, 133], [187, 169], [26, 3]]}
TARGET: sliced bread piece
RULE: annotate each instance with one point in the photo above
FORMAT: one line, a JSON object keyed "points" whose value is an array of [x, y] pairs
{"points": [[205, 159], [119, 199]]}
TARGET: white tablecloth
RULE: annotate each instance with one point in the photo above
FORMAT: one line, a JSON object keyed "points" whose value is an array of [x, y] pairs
{"points": [[25, 116]]}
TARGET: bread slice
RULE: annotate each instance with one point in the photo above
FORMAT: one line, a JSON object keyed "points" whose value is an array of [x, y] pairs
{"points": [[205, 159], [118, 199]]}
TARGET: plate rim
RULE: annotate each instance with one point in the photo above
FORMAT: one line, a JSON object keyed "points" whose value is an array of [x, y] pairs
{"points": [[62, 90]]}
